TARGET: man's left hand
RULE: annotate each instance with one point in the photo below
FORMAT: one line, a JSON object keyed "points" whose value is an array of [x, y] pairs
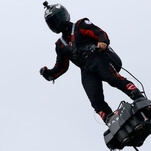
{"points": [[102, 46]]}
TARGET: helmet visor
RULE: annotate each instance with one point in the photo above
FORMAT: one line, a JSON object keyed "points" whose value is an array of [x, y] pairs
{"points": [[55, 23]]}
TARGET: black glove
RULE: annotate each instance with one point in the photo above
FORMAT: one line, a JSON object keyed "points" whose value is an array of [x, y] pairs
{"points": [[45, 72], [42, 70]]}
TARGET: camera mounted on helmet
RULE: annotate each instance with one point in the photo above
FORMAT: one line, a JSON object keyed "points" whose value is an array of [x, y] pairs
{"points": [[46, 5], [56, 17]]}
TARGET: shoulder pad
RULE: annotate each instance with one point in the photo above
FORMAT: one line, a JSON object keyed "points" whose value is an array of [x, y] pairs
{"points": [[84, 21]]}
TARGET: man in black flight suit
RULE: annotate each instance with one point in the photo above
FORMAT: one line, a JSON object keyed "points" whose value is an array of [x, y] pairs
{"points": [[87, 46]]}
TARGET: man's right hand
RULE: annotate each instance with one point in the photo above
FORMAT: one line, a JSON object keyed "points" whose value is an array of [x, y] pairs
{"points": [[46, 73], [43, 69]]}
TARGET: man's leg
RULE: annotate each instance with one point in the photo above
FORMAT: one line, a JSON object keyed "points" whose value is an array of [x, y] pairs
{"points": [[93, 88], [109, 74]]}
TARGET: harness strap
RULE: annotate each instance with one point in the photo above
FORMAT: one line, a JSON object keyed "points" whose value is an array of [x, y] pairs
{"points": [[63, 41], [72, 33], [72, 36]]}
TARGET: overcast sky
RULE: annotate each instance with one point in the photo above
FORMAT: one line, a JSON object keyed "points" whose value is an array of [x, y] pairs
{"points": [[36, 115]]}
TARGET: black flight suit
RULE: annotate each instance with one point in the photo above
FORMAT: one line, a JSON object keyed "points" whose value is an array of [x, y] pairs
{"points": [[95, 66]]}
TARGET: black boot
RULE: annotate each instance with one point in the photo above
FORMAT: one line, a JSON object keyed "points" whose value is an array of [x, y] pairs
{"points": [[135, 94], [104, 114]]}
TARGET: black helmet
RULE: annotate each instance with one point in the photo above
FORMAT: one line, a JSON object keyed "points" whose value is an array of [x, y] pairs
{"points": [[56, 17]]}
